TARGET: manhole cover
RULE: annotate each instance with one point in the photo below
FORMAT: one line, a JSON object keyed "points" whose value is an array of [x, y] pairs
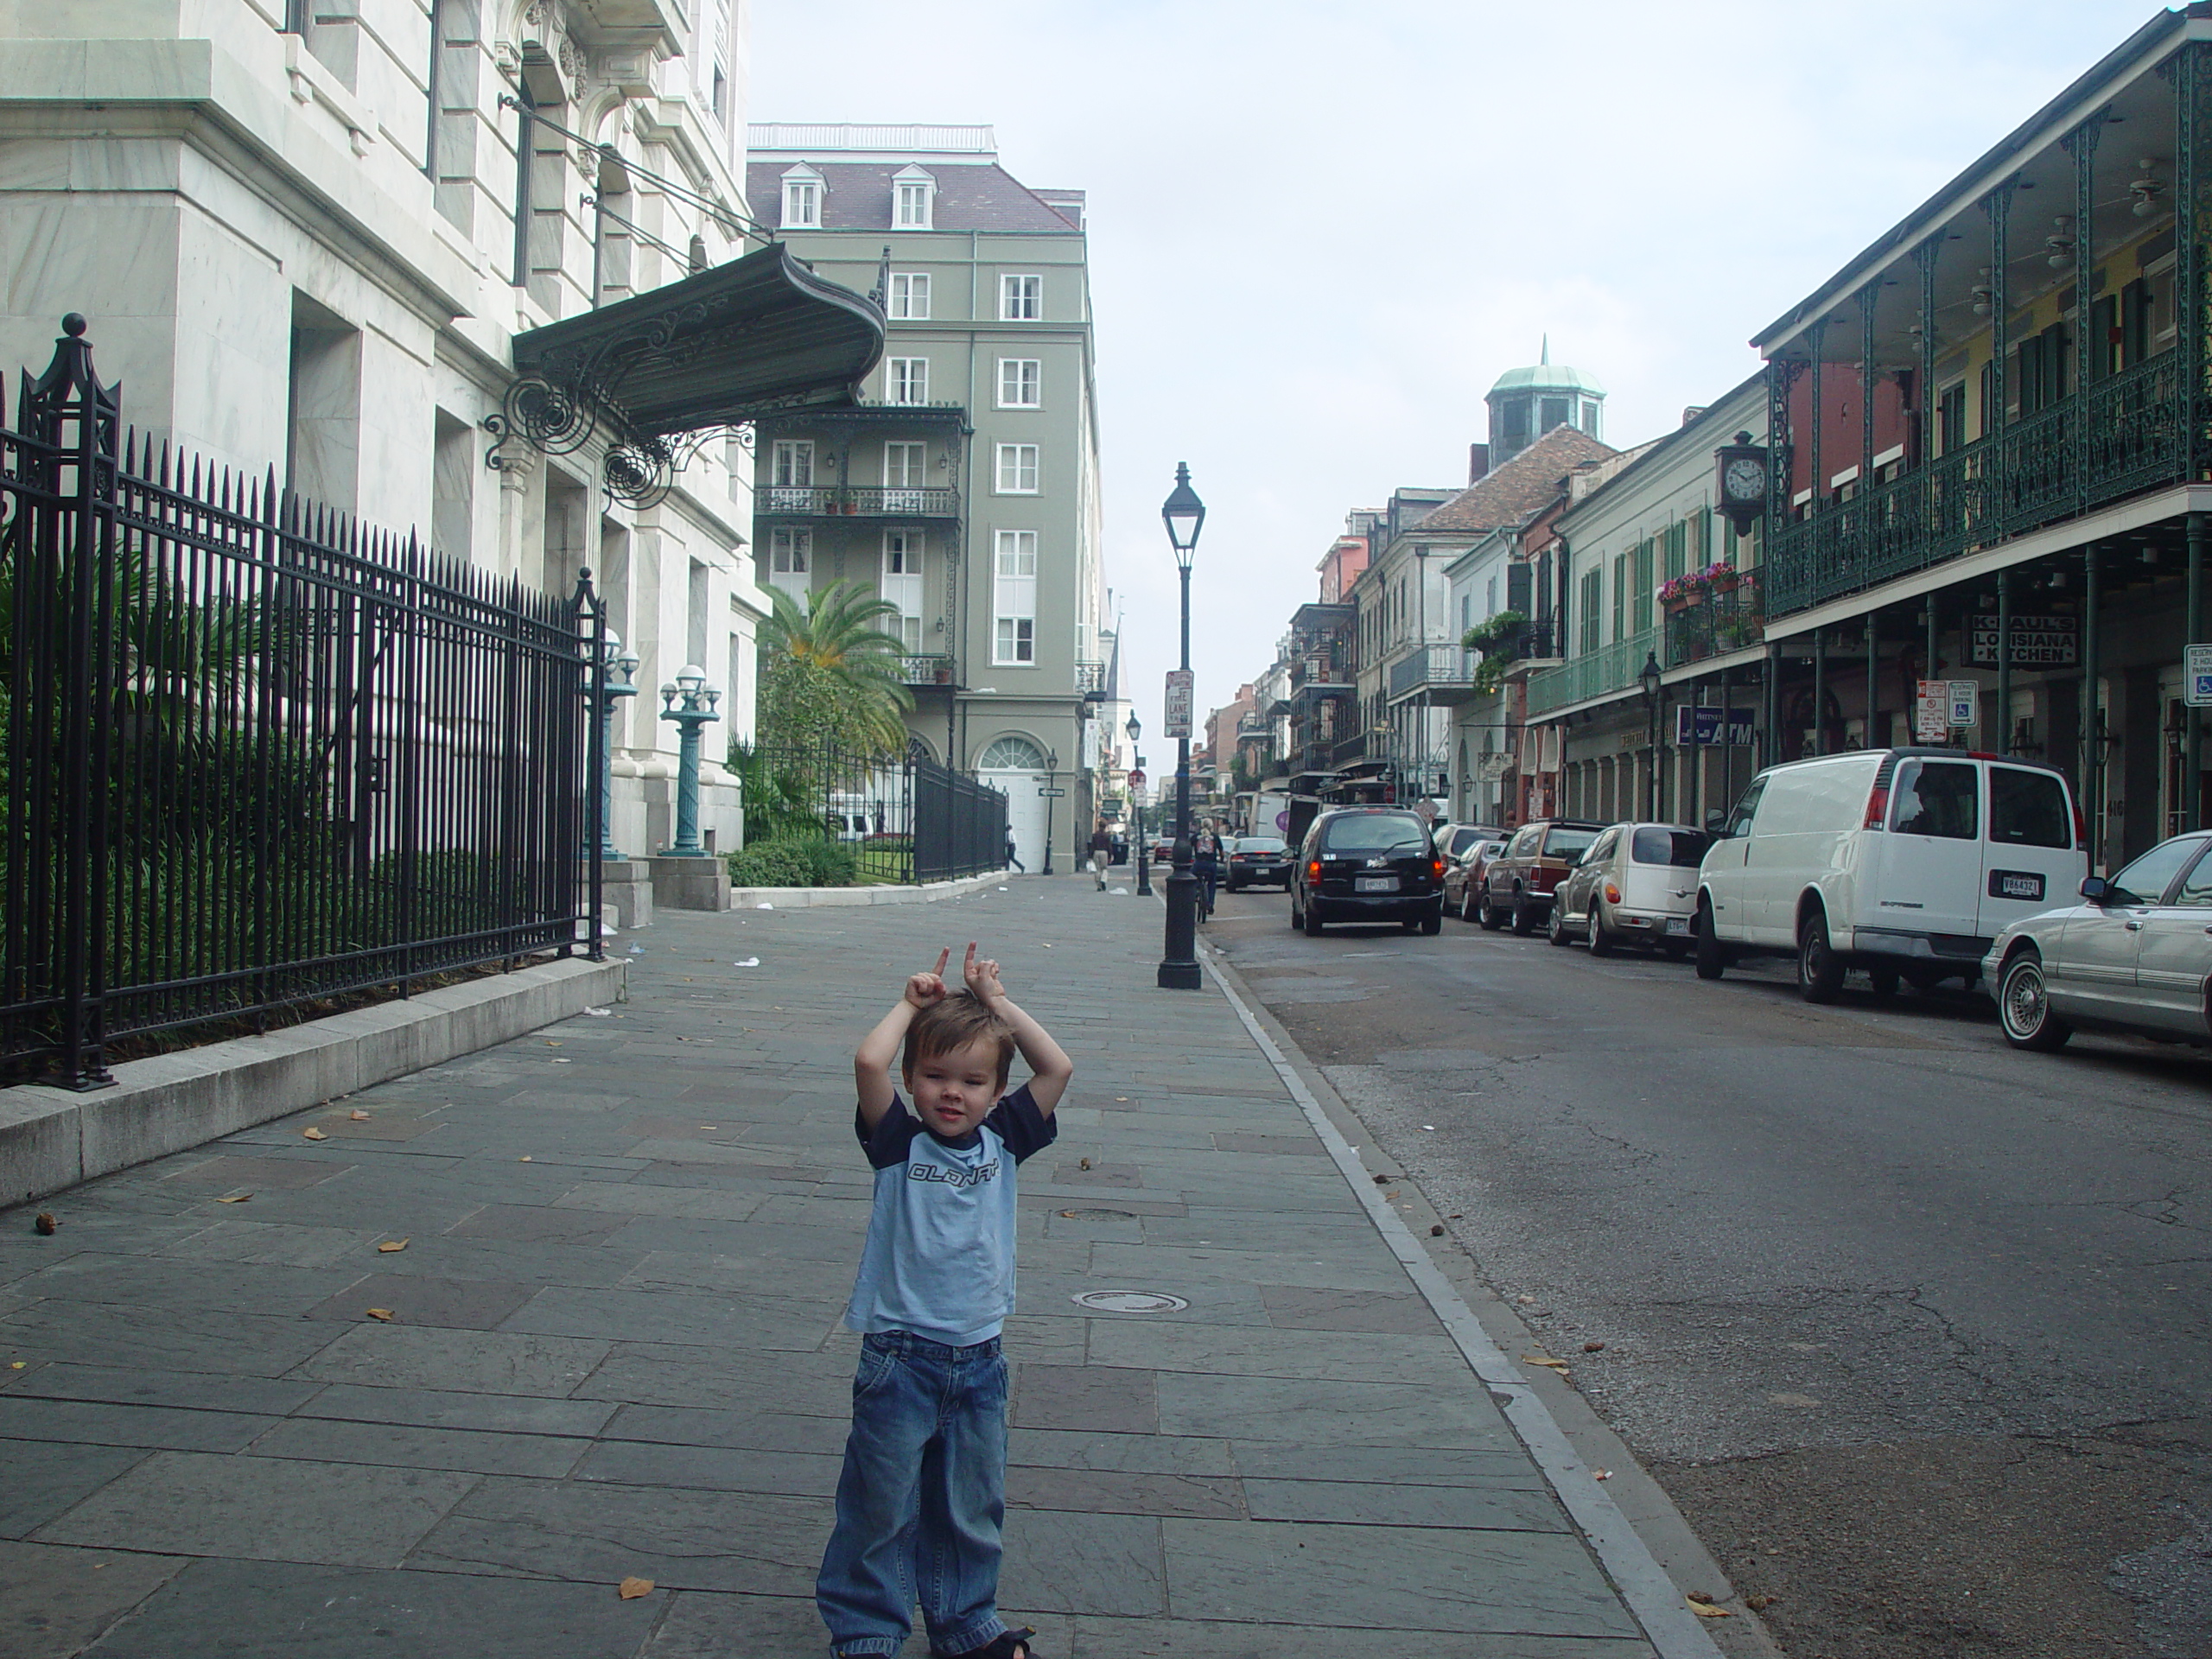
{"points": [[1100, 1215], [1130, 1301]]}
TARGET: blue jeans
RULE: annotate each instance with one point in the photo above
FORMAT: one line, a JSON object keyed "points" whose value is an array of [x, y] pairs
{"points": [[921, 1499]]}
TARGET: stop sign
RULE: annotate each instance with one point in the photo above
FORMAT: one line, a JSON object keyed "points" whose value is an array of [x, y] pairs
{"points": [[1137, 780]]}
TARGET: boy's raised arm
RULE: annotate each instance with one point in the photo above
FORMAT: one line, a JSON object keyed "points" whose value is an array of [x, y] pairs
{"points": [[1049, 1064], [873, 1059]]}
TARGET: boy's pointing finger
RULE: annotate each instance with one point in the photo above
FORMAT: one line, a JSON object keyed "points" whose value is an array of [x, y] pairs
{"points": [[945, 956]]}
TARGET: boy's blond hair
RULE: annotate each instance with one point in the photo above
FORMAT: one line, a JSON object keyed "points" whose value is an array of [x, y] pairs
{"points": [[953, 1022]]}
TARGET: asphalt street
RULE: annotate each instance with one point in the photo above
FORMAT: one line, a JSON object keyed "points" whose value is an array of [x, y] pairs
{"points": [[1910, 1327]]}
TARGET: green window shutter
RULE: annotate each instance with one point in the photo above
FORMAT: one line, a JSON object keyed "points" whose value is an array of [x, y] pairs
{"points": [[1620, 596], [1592, 582], [1643, 612], [1678, 549]]}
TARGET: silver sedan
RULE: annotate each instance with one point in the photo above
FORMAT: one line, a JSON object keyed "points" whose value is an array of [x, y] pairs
{"points": [[2135, 955]]}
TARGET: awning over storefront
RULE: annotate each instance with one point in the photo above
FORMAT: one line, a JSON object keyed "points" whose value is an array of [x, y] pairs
{"points": [[658, 372]]}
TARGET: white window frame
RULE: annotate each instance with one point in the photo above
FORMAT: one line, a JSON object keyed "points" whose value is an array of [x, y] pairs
{"points": [[1021, 383], [1014, 599], [910, 296], [1017, 469], [791, 558], [906, 380], [913, 201], [1021, 297], [802, 204], [906, 468], [901, 583], [792, 464]]}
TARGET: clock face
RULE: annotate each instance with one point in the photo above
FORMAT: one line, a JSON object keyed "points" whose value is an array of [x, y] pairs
{"points": [[1743, 480]]}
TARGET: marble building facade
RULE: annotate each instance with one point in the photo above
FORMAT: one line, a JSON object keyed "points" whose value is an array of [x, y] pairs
{"points": [[306, 235]]}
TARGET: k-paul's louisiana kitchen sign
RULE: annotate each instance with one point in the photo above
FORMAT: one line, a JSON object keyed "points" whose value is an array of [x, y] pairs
{"points": [[2037, 641]]}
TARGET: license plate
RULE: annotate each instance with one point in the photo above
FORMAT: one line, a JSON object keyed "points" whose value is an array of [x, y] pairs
{"points": [[2015, 884], [1375, 884], [1678, 925]]}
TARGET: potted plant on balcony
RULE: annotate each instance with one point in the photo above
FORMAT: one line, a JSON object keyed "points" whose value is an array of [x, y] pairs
{"points": [[1678, 594], [1721, 577]]}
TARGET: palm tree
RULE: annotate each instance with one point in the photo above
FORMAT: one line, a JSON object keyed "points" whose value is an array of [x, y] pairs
{"points": [[831, 670]]}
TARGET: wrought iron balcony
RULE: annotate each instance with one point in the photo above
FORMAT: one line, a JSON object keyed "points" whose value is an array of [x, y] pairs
{"points": [[1594, 674], [1352, 749], [1445, 672], [1090, 680], [926, 671], [1718, 623], [2121, 436], [781, 501], [1320, 669]]}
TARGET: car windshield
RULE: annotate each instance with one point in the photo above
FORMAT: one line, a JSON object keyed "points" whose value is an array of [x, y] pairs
{"points": [[1374, 833], [1684, 849], [1562, 842]]}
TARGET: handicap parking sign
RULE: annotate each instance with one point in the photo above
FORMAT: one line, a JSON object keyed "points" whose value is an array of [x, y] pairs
{"points": [[2197, 676]]}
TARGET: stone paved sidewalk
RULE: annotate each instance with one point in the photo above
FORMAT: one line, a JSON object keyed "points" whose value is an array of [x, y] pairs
{"points": [[612, 1348]]}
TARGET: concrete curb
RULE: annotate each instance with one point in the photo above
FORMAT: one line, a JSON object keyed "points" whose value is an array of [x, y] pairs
{"points": [[52, 1138], [1650, 1594], [820, 898]]}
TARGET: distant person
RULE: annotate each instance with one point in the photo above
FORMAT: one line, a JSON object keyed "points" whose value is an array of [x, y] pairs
{"points": [[922, 1492], [1012, 862], [1101, 853], [1205, 864]]}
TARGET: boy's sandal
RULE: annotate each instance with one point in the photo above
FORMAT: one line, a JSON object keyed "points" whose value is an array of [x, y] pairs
{"points": [[1005, 1647]]}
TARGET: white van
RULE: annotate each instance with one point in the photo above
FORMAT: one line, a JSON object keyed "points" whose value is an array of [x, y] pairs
{"points": [[1903, 862]]}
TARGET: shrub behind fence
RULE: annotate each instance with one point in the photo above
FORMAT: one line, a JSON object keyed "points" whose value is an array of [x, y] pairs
{"points": [[904, 820], [254, 754]]}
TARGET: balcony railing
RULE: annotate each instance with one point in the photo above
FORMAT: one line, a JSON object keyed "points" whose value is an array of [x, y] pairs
{"points": [[1718, 622], [1320, 668], [780, 501], [926, 671], [1352, 749], [2125, 435], [1594, 674], [1431, 668], [1090, 680]]}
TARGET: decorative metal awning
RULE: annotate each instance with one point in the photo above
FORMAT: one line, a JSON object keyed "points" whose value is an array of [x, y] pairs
{"points": [[663, 372]]}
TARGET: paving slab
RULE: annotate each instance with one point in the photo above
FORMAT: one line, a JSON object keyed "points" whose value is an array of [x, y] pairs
{"points": [[616, 1351]]}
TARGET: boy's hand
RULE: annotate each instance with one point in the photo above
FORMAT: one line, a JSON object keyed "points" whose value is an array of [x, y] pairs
{"points": [[923, 989], [982, 978]]}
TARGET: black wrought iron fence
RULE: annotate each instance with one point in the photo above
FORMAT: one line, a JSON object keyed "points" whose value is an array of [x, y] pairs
{"points": [[901, 819], [255, 753]]}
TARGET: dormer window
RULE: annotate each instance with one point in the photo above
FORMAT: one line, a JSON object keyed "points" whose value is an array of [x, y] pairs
{"points": [[802, 199], [913, 200]]}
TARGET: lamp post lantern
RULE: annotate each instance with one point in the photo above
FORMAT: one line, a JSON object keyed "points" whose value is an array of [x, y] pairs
{"points": [[1184, 515], [621, 681], [1650, 676], [1135, 729], [690, 704]]}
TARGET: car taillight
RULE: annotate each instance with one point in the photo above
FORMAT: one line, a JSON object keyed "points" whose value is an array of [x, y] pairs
{"points": [[1314, 871], [1612, 893], [2081, 828], [1878, 806], [1436, 865]]}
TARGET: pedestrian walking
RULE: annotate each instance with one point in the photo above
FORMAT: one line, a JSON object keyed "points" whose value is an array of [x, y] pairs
{"points": [[922, 1495], [1011, 861], [1101, 853]]}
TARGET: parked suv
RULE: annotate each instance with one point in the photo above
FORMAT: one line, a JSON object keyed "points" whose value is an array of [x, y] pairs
{"points": [[1368, 864], [1518, 884], [1637, 884], [1904, 862]]}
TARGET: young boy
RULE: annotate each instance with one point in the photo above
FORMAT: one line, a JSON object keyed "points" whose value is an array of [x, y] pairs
{"points": [[922, 1492]]}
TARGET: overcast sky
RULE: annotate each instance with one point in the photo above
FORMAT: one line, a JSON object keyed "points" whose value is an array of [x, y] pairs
{"points": [[1319, 232]]}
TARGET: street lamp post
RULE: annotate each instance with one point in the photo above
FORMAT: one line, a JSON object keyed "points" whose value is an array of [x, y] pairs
{"points": [[1136, 800], [690, 704], [1650, 676], [1052, 783], [621, 681], [1184, 515]]}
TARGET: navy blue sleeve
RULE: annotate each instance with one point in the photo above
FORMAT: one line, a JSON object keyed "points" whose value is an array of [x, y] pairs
{"points": [[1017, 1122], [894, 1132]]}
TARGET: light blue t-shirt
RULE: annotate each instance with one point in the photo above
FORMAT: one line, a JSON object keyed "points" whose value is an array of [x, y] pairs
{"points": [[939, 1263]]}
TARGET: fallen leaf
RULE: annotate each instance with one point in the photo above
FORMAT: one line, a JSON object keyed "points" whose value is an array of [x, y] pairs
{"points": [[1125, 1098], [1601, 1474], [391, 1246], [16, 1364], [1525, 1300], [525, 1157], [552, 1042], [359, 1116], [45, 1224], [1706, 1609], [236, 1198], [630, 1589], [1559, 1366], [1760, 1604], [384, 1314], [314, 1135], [1594, 1347]]}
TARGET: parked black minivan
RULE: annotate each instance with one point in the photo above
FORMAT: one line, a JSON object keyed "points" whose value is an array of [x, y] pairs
{"points": [[1368, 864]]}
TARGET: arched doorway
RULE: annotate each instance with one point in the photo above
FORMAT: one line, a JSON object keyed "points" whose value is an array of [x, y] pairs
{"points": [[1015, 763]]}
